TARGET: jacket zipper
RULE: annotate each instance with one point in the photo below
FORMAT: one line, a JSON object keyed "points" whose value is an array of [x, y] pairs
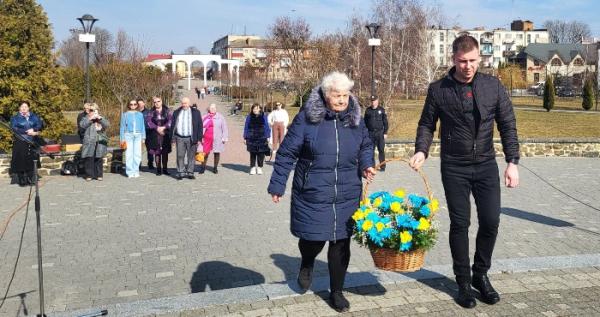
{"points": [[337, 158], [306, 174]]}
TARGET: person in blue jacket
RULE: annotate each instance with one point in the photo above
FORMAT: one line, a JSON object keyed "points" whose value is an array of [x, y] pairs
{"points": [[28, 125], [330, 148]]}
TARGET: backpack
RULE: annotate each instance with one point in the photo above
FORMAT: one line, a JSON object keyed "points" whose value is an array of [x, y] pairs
{"points": [[69, 168]]}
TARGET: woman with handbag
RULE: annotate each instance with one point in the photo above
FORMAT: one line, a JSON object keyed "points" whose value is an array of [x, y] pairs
{"points": [[256, 135], [132, 134], [95, 142], [28, 126]]}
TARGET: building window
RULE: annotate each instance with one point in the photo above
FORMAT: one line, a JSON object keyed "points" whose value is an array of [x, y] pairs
{"points": [[442, 62], [441, 36], [578, 62], [432, 47], [528, 38], [536, 77], [498, 36], [441, 48], [519, 36], [556, 62], [536, 62], [508, 36]]}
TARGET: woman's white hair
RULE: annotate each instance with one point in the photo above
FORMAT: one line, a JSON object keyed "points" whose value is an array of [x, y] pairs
{"points": [[336, 81]]}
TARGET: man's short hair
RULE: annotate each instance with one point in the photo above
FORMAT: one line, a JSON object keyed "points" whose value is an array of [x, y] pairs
{"points": [[140, 99], [464, 43], [374, 97]]}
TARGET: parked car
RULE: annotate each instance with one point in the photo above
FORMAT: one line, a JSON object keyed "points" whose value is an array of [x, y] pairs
{"points": [[565, 92]]}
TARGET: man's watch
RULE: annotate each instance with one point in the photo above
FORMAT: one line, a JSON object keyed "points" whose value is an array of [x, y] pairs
{"points": [[514, 161]]}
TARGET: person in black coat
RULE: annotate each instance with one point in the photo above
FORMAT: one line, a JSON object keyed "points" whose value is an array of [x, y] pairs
{"points": [[186, 132], [467, 103], [377, 124], [256, 138], [328, 145]]}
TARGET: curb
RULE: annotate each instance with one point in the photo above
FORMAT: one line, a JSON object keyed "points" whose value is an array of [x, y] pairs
{"points": [[266, 292]]}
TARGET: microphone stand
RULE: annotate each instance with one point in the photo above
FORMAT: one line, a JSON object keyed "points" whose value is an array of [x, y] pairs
{"points": [[38, 151]]}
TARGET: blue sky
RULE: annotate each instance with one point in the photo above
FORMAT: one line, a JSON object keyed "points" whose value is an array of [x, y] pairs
{"points": [[165, 25]]}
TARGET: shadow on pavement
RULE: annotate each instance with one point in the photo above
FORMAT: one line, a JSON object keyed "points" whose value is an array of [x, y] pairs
{"points": [[537, 218], [237, 167], [218, 275], [435, 281], [290, 266]]}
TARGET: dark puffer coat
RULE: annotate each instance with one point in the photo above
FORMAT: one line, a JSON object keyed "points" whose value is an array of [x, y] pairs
{"points": [[459, 143], [330, 150]]}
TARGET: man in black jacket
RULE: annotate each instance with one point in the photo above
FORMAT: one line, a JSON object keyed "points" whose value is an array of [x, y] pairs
{"points": [[187, 134], [467, 103], [377, 124]]}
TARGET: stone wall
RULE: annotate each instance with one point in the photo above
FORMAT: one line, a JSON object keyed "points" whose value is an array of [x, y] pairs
{"points": [[393, 148], [528, 148], [50, 166]]}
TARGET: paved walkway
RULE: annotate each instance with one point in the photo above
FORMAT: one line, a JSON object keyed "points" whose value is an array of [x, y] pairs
{"points": [[128, 240]]}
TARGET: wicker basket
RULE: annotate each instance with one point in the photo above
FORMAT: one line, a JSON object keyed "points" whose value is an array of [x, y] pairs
{"points": [[392, 260]]}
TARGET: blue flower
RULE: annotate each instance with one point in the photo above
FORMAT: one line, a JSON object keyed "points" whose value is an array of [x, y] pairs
{"points": [[405, 246], [415, 201], [406, 221], [425, 211]]}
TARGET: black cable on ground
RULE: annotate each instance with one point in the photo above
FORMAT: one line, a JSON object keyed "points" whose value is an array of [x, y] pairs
{"points": [[12, 277], [558, 189]]}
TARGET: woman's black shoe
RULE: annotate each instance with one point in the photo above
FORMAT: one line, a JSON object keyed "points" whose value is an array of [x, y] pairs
{"points": [[216, 171], [465, 296], [305, 278], [158, 172], [165, 171], [339, 302]]}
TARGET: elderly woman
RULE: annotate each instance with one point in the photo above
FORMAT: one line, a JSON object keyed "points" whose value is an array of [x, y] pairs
{"points": [[95, 143], [214, 137], [28, 126], [158, 135], [330, 147]]}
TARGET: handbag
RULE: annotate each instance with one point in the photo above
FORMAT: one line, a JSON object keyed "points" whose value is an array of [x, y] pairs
{"points": [[199, 157], [102, 138]]}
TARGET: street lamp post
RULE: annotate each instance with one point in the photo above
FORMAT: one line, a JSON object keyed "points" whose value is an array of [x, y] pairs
{"points": [[373, 41], [87, 22]]}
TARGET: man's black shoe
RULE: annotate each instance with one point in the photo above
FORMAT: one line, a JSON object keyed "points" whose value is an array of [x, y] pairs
{"points": [[488, 294], [178, 177], [158, 172], [465, 296], [339, 302], [191, 176], [305, 278], [165, 171], [150, 166]]}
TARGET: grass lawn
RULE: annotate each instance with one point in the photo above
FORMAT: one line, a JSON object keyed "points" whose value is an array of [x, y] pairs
{"points": [[568, 103], [530, 124]]}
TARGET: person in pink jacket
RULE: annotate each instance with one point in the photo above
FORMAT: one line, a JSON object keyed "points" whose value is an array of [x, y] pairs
{"points": [[215, 136]]}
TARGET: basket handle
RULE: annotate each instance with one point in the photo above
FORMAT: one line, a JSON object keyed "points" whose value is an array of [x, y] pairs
{"points": [[421, 173]]}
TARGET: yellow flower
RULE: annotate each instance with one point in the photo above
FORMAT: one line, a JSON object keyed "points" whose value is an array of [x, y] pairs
{"points": [[367, 225], [405, 237], [365, 202], [423, 224], [368, 211], [358, 215], [379, 226], [400, 192], [396, 207], [377, 202], [434, 205]]}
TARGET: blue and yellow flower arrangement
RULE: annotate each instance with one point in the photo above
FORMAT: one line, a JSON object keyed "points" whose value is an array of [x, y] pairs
{"points": [[396, 221]]}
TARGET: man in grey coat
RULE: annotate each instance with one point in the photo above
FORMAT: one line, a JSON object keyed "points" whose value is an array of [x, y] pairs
{"points": [[187, 134]]}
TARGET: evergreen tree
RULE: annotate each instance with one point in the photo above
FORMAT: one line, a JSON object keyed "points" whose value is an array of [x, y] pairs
{"points": [[27, 68], [588, 94], [549, 94]]}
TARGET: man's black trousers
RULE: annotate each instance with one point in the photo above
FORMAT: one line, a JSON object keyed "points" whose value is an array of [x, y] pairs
{"points": [[379, 143], [338, 257], [481, 180]]}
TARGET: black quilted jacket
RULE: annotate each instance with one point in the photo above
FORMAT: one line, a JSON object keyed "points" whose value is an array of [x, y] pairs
{"points": [[459, 143]]}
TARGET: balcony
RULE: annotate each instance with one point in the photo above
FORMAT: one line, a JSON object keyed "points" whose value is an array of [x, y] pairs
{"points": [[487, 50]]}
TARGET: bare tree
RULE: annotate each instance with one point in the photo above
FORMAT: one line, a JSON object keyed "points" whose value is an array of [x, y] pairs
{"points": [[567, 32], [192, 50], [72, 52]]}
